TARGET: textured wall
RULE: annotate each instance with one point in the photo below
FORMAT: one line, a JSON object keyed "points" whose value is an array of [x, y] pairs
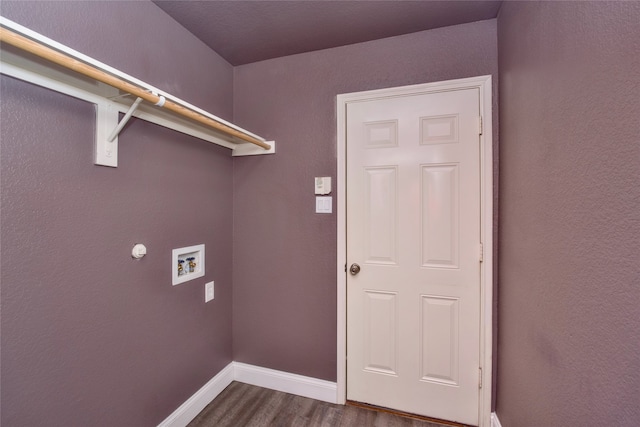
{"points": [[284, 313], [570, 202], [91, 337]]}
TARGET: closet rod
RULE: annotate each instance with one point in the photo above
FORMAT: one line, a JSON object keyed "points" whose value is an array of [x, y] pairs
{"points": [[28, 45]]}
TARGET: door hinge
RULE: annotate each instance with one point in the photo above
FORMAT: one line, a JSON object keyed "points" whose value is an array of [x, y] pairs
{"points": [[481, 254], [480, 127], [480, 378], [345, 268]]}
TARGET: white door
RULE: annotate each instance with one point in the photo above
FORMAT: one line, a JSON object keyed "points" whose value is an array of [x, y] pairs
{"points": [[413, 228]]}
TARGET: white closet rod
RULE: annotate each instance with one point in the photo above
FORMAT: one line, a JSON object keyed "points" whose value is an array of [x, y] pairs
{"points": [[39, 50]]}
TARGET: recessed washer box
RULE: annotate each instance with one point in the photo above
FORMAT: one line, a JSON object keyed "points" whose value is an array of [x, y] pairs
{"points": [[187, 264]]}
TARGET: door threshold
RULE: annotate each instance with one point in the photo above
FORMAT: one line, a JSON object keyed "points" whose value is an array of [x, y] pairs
{"points": [[403, 414]]}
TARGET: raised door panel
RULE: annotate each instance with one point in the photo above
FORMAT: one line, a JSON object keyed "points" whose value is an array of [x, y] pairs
{"points": [[440, 216], [381, 215], [380, 332], [440, 339]]}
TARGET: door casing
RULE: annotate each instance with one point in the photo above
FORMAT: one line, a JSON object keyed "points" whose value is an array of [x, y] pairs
{"points": [[483, 83]]}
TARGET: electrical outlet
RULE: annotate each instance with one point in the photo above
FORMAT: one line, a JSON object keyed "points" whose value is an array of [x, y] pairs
{"points": [[208, 292]]}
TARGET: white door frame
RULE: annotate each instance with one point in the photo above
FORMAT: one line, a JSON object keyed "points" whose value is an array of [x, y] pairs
{"points": [[483, 83]]}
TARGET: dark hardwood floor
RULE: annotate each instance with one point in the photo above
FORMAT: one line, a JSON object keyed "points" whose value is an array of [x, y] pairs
{"points": [[243, 405]]}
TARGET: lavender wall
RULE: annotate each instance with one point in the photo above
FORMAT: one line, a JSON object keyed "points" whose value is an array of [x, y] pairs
{"points": [[569, 205], [284, 305], [90, 336]]}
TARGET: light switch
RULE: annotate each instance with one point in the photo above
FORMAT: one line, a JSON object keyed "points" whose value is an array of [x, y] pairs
{"points": [[324, 204], [208, 292], [323, 185]]}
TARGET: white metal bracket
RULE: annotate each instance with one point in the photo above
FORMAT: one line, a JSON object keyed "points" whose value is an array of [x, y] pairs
{"points": [[106, 150], [124, 120], [107, 131]]}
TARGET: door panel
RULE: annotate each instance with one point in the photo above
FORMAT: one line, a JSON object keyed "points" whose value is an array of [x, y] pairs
{"points": [[413, 225], [440, 217], [381, 331], [381, 215], [440, 339]]}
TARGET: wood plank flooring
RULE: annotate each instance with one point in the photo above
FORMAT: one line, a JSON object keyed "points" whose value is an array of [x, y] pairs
{"points": [[243, 405]]}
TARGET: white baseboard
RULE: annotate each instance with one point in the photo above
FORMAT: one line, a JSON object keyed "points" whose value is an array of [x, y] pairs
{"points": [[201, 398], [254, 375], [495, 422], [325, 391]]}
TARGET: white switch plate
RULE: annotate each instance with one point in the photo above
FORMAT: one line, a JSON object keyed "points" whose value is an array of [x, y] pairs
{"points": [[208, 292], [324, 204]]}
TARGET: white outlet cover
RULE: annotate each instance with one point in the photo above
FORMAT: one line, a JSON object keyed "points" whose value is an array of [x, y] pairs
{"points": [[208, 292]]}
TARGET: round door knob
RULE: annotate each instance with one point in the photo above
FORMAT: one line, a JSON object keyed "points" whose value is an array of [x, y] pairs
{"points": [[354, 269]]}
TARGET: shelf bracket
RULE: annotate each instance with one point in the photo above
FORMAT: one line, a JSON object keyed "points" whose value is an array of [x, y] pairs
{"points": [[124, 120], [105, 152], [107, 131]]}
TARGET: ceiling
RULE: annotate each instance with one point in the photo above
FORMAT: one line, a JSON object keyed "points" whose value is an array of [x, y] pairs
{"points": [[248, 31]]}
